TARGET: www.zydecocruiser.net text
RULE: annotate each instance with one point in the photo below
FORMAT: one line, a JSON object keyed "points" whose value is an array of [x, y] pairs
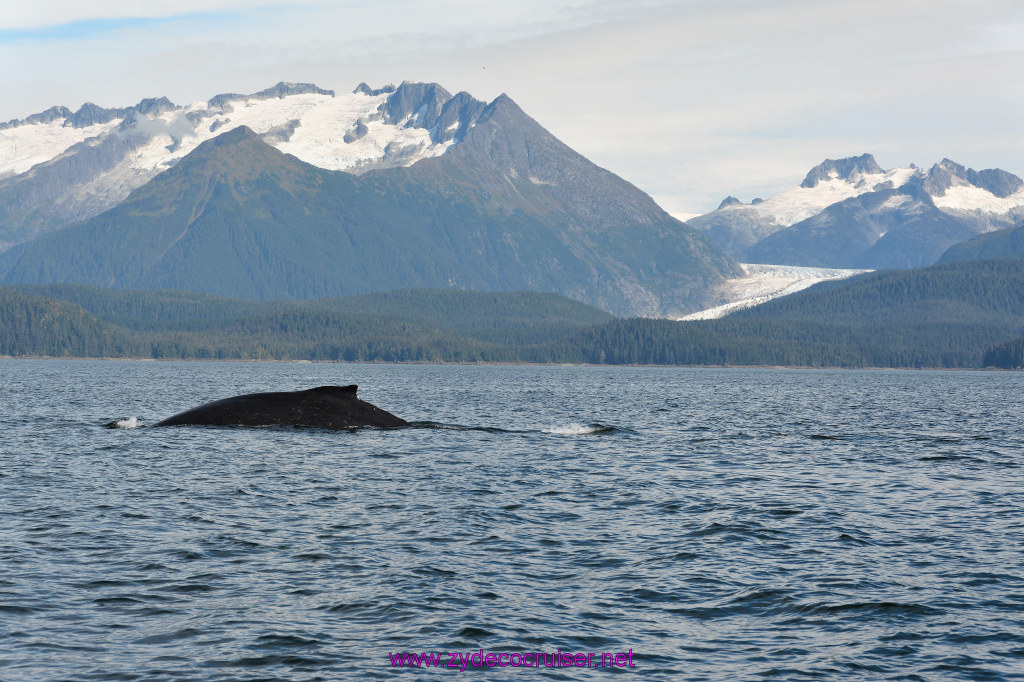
{"points": [[515, 659]]}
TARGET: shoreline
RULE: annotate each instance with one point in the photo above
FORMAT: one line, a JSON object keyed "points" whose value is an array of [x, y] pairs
{"points": [[505, 364]]}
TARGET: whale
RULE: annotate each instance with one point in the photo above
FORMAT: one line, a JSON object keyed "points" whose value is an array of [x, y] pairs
{"points": [[324, 407]]}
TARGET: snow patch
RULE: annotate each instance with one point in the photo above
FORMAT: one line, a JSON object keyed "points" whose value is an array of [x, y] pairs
{"points": [[318, 139], [28, 145], [763, 282], [895, 201], [971, 198], [685, 216]]}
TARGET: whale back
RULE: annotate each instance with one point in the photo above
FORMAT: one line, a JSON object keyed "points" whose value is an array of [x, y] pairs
{"points": [[325, 407]]}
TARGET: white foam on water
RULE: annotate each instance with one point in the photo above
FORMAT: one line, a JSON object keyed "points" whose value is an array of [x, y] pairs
{"points": [[576, 429], [129, 423]]}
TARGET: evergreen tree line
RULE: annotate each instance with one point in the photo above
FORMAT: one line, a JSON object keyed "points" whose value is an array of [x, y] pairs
{"points": [[968, 314], [1008, 355]]}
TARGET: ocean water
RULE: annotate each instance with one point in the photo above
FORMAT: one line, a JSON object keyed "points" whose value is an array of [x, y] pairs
{"points": [[694, 524]]}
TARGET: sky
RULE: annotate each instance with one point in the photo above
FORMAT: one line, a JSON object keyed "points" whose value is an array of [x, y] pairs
{"points": [[691, 100]]}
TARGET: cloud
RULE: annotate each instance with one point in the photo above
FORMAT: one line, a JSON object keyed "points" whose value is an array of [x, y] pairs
{"points": [[53, 14], [92, 29]]}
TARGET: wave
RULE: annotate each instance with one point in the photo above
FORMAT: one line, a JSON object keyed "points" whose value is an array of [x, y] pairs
{"points": [[571, 429], [459, 427]]}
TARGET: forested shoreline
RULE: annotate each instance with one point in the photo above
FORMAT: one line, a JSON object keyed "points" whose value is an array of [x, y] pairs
{"points": [[958, 315]]}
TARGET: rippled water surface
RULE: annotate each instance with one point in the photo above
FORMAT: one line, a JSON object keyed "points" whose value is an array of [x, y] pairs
{"points": [[721, 524]]}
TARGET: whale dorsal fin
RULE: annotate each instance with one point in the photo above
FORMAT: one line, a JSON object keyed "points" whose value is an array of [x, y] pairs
{"points": [[348, 390]]}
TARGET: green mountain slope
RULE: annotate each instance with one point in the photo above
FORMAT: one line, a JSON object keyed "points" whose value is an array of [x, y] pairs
{"points": [[1008, 243], [35, 325]]}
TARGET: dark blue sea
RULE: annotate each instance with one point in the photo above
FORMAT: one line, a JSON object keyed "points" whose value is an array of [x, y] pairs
{"points": [[692, 524]]}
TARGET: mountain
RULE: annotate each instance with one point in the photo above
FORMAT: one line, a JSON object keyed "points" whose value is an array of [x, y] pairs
{"points": [[493, 203], [888, 228], [736, 226], [850, 213], [59, 167]]}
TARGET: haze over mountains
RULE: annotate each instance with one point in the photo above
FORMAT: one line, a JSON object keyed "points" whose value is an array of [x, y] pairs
{"points": [[295, 192], [851, 213]]}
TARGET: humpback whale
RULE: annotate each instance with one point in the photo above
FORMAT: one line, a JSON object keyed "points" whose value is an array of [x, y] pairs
{"points": [[325, 407]]}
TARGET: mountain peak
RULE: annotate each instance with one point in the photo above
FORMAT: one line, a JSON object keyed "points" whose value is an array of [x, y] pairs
{"points": [[844, 169], [415, 105], [90, 114], [729, 201], [373, 92], [947, 173], [279, 91], [54, 113], [233, 136], [154, 106], [238, 153]]}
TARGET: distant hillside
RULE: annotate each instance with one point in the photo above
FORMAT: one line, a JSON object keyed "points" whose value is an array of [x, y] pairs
{"points": [[413, 325], [964, 314], [521, 318], [968, 293], [150, 310], [1008, 243], [941, 316], [453, 308], [34, 325]]}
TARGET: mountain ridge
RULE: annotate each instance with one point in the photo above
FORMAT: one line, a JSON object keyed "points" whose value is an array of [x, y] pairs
{"points": [[852, 213], [845, 169]]}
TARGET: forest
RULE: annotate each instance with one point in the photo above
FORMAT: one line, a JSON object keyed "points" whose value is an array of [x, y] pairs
{"points": [[956, 315]]}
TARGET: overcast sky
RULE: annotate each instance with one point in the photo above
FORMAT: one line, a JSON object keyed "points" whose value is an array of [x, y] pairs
{"points": [[691, 100]]}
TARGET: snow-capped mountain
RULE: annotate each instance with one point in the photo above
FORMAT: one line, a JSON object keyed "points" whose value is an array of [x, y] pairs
{"points": [[58, 167], [462, 194], [736, 226], [851, 213]]}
